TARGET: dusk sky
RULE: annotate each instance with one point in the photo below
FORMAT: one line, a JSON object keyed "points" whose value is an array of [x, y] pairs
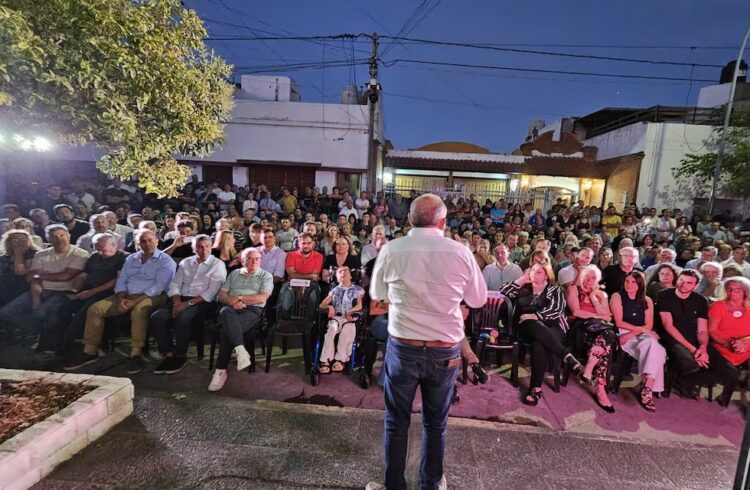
{"points": [[492, 108]]}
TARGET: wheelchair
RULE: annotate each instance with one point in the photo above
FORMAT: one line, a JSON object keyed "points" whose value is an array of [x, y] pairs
{"points": [[355, 366]]}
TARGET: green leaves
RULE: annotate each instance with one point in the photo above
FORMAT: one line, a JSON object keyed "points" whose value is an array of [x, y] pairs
{"points": [[735, 168], [131, 77]]}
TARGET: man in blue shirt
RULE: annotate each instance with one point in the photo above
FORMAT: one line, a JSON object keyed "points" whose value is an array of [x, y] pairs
{"points": [[140, 290]]}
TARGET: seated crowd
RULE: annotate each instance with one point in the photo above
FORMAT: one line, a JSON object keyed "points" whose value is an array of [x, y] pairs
{"points": [[586, 283]]}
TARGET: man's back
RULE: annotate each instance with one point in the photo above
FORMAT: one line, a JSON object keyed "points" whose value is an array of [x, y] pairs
{"points": [[424, 276]]}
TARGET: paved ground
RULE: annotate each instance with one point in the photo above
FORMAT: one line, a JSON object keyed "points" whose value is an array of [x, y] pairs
{"points": [[329, 436], [218, 442]]}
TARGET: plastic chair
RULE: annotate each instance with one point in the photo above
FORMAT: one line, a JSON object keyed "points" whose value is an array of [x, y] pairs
{"points": [[296, 315], [488, 318]]}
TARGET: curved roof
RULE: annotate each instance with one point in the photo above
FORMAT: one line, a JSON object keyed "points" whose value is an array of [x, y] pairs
{"points": [[454, 147]]}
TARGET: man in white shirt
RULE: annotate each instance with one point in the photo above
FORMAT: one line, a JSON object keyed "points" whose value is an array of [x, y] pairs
{"points": [[362, 204], [739, 254], [569, 274], [191, 293], [226, 198], [424, 276], [99, 224], [664, 227], [502, 271], [348, 210]]}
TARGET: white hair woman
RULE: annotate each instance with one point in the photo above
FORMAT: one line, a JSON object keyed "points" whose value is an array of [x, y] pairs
{"points": [[710, 286], [589, 309], [377, 241]]}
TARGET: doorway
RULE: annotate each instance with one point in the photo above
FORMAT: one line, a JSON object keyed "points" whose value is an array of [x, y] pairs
{"points": [[351, 181]]}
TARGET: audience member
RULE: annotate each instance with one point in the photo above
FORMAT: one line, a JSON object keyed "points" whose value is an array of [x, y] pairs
{"points": [[191, 293], [140, 289], [244, 295]]}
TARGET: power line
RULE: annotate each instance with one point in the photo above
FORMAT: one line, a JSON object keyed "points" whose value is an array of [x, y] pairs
{"points": [[283, 38], [599, 46], [547, 53], [658, 83], [393, 62], [474, 106], [316, 65]]}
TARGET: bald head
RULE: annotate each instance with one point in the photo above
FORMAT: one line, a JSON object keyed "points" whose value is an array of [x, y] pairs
{"points": [[427, 211]]}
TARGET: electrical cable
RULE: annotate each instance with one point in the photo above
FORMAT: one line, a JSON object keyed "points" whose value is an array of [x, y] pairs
{"points": [[393, 62], [548, 53]]}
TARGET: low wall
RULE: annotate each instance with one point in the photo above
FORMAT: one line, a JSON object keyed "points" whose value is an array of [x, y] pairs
{"points": [[31, 455]]}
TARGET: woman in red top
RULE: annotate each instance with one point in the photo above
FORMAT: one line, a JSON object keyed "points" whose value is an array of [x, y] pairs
{"points": [[729, 328]]}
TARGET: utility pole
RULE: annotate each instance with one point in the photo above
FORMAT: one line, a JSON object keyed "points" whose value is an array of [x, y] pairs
{"points": [[727, 116], [373, 95]]}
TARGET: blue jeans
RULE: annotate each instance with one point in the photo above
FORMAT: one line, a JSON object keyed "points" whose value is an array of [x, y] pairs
{"points": [[48, 321], [407, 367]]}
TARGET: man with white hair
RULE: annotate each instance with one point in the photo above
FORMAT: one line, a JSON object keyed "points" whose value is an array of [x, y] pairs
{"points": [[244, 294], [613, 276], [424, 276], [96, 282], [191, 293], [99, 224], [139, 291], [666, 256]]}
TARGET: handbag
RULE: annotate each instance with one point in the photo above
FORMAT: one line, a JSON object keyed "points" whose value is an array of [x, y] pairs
{"points": [[595, 327]]}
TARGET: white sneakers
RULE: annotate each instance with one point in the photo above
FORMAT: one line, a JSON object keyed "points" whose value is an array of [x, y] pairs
{"points": [[243, 357], [218, 381], [442, 485], [220, 375]]}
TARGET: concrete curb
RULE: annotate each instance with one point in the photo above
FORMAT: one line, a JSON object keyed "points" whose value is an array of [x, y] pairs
{"points": [[31, 455]]}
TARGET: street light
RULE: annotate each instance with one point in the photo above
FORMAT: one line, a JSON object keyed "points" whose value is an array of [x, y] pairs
{"points": [[18, 142]]}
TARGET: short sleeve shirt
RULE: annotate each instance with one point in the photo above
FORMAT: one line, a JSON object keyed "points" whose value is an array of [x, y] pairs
{"points": [[344, 298], [312, 264], [50, 262], [239, 284], [685, 313], [100, 270]]}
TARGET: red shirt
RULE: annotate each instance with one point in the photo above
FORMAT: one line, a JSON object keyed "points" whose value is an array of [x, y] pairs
{"points": [[313, 264], [730, 327]]}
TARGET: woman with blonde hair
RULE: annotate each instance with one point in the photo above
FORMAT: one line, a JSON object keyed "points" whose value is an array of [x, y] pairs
{"points": [[590, 317], [540, 308], [224, 250], [19, 249], [28, 226]]}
